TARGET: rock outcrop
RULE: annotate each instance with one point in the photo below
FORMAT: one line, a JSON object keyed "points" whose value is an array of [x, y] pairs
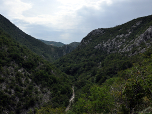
{"points": [[121, 45]]}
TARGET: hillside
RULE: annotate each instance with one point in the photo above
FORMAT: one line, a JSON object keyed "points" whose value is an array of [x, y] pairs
{"points": [[74, 44], [28, 82], [108, 72], [48, 52], [129, 92], [120, 42], [101, 56]]}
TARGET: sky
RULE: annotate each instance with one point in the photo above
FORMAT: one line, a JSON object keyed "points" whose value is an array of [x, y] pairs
{"points": [[71, 20]]}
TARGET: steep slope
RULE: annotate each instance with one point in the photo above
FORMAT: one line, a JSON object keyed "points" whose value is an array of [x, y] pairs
{"points": [[122, 38], [111, 57], [48, 52], [27, 81]]}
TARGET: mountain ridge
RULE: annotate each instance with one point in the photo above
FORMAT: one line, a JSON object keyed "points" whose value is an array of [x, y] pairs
{"points": [[123, 36], [110, 70], [48, 52], [53, 43]]}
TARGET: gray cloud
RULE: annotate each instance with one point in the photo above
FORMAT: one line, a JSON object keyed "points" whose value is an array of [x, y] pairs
{"points": [[75, 26], [48, 33], [115, 14]]}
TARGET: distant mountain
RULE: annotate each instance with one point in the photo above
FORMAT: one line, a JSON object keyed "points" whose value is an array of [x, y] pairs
{"points": [[48, 52], [74, 44], [60, 44], [27, 81], [53, 43], [62, 48], [66, 48]]}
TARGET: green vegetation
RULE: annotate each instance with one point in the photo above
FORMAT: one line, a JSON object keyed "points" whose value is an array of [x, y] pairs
{"points": [[49, 110], [129, 92], [111, 71], [92, 67], [27, 81]]}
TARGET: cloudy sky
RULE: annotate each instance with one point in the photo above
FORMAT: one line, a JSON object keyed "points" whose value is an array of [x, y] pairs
{"points": [[71, 20]]}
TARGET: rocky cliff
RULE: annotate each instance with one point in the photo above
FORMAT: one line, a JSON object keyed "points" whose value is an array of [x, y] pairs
{"points": [[130, 38]]}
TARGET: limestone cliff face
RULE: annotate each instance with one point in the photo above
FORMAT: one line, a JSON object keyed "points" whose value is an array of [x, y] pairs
{"points": [[121, 45], [143, 39], [130, 38]]}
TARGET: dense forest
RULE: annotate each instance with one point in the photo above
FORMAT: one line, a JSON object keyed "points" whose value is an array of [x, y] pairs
{"points": [[110, 71], [28, 82]]}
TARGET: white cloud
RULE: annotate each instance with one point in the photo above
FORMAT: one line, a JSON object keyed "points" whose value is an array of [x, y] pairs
{"points": [[16, 8], [64, 16], [65, 36]]}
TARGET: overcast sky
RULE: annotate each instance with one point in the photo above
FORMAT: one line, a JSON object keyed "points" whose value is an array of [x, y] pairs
{"points": [[71, 20]]}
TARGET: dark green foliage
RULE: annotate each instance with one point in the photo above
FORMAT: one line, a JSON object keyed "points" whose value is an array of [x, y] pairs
{"points": [[129, 92], [5, 102], [99, 100], [43, 77], [86, 62], [90, 65], [105, 80], [25, 78]]}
